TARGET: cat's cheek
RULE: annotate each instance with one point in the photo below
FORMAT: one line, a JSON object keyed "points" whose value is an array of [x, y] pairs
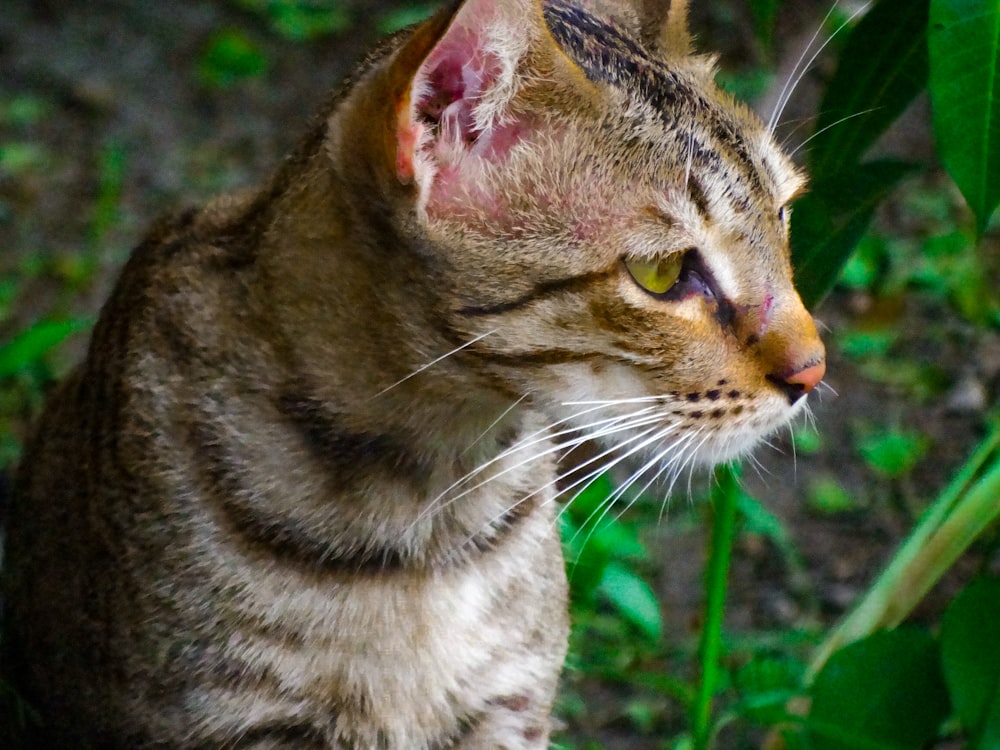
{"points": [[453, 198]]}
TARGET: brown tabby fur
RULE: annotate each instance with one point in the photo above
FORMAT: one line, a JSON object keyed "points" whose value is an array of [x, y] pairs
{"points": [[268, 512]]}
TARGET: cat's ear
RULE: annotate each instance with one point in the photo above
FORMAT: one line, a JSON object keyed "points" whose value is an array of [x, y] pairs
{"points": [[458, 96], [668, 32], [676, 36]]}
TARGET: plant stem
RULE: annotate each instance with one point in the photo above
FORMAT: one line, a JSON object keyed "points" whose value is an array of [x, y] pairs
{"points": [[724, 502], [959, 515]]}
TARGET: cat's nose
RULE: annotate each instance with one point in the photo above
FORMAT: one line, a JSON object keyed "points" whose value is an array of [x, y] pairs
{"points": [[799, 382], [808, 377]]}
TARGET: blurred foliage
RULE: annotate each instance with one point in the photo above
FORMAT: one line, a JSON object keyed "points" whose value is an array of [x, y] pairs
{"points": [[301, 20], [970, 631], [398, 19], [230, 56], [886, 691], [891, 453], [965, 90], [825, 495]]}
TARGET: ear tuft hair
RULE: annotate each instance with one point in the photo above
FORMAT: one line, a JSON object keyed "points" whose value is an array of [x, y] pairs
{"points": [[676, 37], [668, 32]]}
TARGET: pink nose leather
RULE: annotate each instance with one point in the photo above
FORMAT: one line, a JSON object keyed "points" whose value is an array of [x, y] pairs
{"points": [[808, 377]]}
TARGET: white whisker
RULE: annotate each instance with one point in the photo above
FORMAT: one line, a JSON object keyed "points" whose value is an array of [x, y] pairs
{"points": [[689, 162], [779, 105], [801, 122], [664, 432], [685, 451], [759, 469], [689, 464], [795, 452], [434, 362], [619, 401], [494, 423], [828, 388], [543, 436], [589, 478], [616, 424], [783, 102], [822, 130]]}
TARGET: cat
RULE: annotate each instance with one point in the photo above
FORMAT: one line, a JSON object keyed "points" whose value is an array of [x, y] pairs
{"points": [[300, 493]]}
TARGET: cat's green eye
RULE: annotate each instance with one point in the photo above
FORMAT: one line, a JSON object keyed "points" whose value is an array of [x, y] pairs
{"points": [[656, 276]]}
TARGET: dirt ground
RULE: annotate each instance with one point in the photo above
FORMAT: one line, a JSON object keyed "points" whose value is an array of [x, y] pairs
{"points": [[119, 77]]}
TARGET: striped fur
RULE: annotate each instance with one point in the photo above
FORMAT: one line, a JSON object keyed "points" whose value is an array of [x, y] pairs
{"points": [[300, 493]]}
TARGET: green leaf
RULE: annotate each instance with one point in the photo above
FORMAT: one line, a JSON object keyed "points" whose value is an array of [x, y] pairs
{"points": [[807, 441], [865, 344], [28, 347], [112, 171], [593, 537], [301, 20], [826, 495], [21, 158], [970, 632], [766, 684], [950, 266], [230, 57], [24, 110], [884, 692], [585, 562], [759, 520], [599, 527], [893, 453], [882, 67], [764, 14], [964, 44], [633, 598], [830, 220], [590, 498], [401, 18], [9, 289]]}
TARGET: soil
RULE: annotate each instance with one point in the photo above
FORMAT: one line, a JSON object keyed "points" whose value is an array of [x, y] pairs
{"points": [[120, 77]]}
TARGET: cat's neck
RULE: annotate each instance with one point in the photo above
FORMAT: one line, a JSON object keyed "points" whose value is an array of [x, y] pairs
{"points": [[431, 460]]}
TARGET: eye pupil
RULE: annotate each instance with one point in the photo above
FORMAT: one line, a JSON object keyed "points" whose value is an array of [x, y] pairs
{"points": [[656, 276]]}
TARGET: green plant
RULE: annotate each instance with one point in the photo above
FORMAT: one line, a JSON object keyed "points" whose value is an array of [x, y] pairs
{"points": [[402, 17], [301, 20], [603, 551], [230, 56]]}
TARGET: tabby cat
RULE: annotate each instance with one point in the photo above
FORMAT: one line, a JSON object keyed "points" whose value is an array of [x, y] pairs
{"points": [[301, 492]]}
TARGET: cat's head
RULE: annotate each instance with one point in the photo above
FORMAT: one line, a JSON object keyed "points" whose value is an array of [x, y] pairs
{"points": [[609, 226]]}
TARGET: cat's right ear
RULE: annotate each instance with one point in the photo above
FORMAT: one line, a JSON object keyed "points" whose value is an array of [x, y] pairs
{"points": [[456, 102], [665, 26]]}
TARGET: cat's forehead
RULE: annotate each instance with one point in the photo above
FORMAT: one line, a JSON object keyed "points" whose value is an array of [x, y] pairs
{"points": [[605, 53], [724, 133]]}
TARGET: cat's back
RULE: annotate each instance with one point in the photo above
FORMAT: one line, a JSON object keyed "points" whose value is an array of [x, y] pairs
{"points": [[96, 471]]}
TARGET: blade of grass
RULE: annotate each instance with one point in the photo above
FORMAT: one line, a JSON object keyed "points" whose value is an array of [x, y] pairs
{"points": [[33, 343], [725, 498], [960, 514]]}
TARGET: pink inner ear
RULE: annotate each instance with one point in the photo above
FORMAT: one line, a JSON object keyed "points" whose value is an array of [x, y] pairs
{"points": [[458, 114], [456, 74]]}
